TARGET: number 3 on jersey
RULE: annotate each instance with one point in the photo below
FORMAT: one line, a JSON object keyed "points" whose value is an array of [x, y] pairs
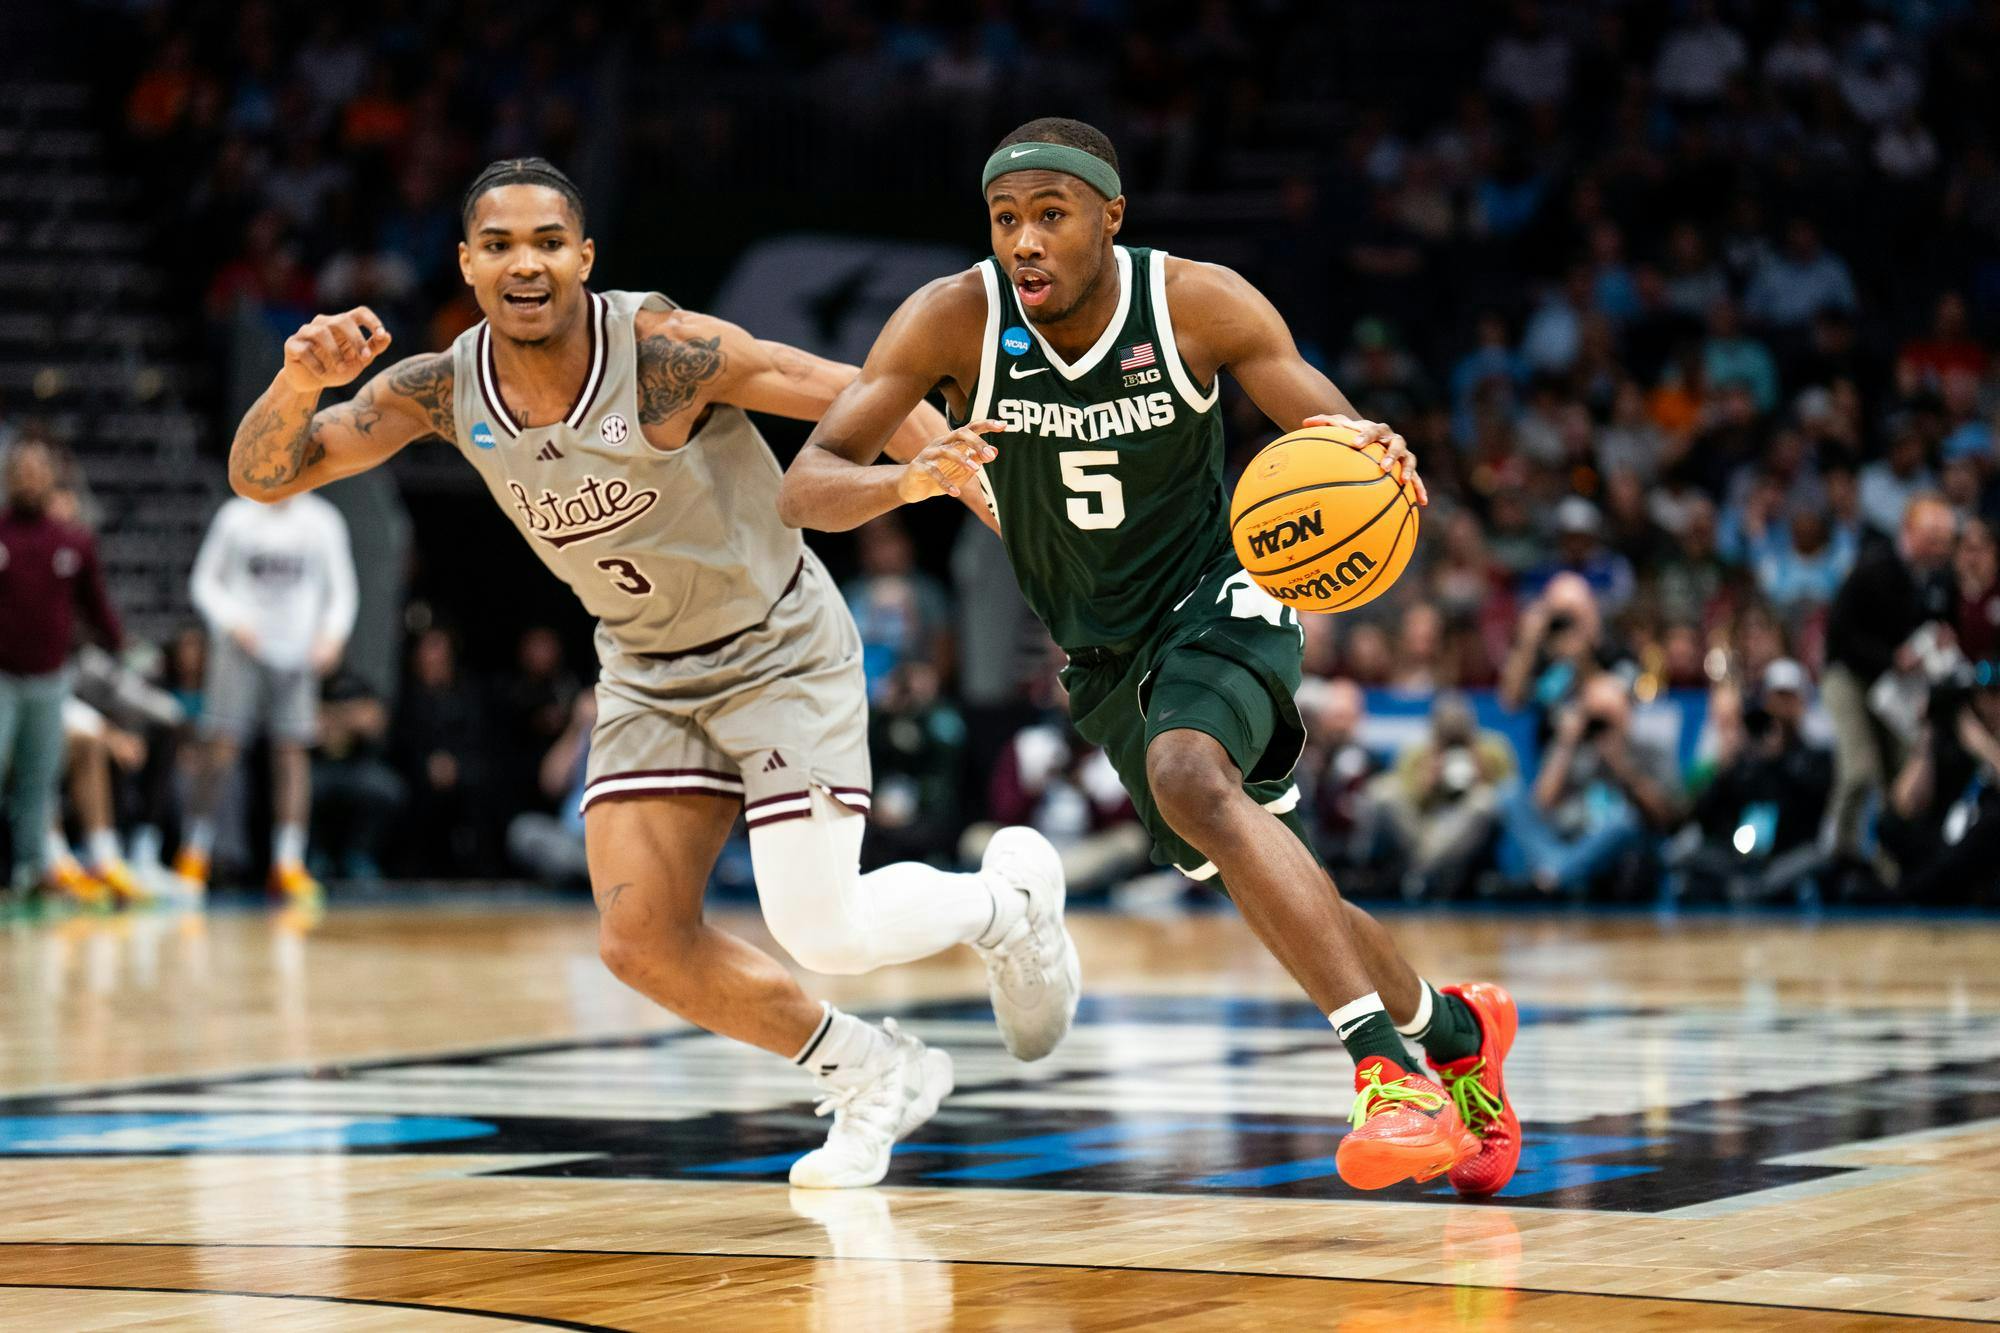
{"points": [[1111, 496], [626, 576]]}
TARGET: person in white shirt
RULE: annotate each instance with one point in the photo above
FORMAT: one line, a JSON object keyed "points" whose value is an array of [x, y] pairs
{"points": [[276, 585]]}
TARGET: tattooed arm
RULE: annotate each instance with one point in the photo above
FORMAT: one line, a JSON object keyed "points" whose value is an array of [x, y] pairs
{"points": [[286, 445], [688, 361]]}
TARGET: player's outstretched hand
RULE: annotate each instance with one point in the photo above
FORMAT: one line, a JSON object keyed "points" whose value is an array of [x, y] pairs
{"points": [[1374, 432], [333, 349], [947, 464]]}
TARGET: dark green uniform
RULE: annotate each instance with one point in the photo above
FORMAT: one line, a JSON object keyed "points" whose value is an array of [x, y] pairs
{"points": [[1109, 490]]}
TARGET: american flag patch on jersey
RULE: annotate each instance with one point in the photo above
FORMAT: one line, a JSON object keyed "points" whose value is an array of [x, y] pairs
{"points": [[1136, 356]]}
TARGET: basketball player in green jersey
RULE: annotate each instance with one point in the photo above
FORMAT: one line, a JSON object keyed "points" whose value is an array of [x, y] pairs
{"points": [[1084, 375]]}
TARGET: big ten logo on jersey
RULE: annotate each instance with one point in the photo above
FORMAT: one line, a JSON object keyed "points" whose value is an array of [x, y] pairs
{"points": [[1289, 532], [1138, 377], [1097, 421], [596, 507]]}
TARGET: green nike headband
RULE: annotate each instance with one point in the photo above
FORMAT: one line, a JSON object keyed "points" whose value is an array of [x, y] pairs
{"points": [[1093, 171]]}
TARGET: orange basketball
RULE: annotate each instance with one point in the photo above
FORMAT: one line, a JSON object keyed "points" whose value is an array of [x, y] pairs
{"points": [[1318, 523]]}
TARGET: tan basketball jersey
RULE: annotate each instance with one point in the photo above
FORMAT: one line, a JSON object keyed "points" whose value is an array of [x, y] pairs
{"points": [[668, 549]]}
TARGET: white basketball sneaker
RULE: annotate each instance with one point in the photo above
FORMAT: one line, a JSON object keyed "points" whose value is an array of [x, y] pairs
{"points": [[900, 1092], [1032, 973]]}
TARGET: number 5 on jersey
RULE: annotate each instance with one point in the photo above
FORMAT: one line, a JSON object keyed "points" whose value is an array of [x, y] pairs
{"points": [[1110, 511], [625, 576]]}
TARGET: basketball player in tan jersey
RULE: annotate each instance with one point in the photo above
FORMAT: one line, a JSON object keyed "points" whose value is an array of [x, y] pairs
{"points": [[610, 428]]}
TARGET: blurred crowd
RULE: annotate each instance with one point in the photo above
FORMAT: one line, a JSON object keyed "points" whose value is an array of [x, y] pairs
{"points": [[1689, 310]]}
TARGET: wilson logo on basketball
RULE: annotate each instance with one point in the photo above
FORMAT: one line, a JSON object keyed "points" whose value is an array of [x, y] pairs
{"points": [[1327, 583], [596, 508], [1290, 532]]}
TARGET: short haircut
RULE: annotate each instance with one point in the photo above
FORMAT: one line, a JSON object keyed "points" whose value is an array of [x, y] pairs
{"points": [[1068, 133], [520, 171]]}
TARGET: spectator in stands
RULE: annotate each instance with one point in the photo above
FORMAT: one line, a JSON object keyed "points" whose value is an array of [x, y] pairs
{"points": [[355, 793], [916, 741], [1580, 550], [1694, 283], [1442, 799], [1949, 353], [548, 845], [1730, 356], [1757, 821], [1601, 795], [49, 575], [1794, 286], [1052, 779], [1694, 581], [531, 709], [1699, 56], [1944, 822], [1891, 482], [902, 613], [438, 745], [1976, 570], [1891, 594], [276, 585], [1349, 828], [1558, 645], [1802, 573], [1529, 63]]}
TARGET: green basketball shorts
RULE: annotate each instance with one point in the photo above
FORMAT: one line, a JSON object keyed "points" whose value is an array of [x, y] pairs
{"points": [[1225, 662]]}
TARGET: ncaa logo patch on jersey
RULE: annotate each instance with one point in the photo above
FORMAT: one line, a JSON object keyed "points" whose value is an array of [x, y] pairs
{"points": [[482, 435], [1015, 341], [613, 429]]}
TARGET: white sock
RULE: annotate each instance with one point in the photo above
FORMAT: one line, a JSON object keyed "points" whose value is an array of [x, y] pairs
{"points": [[104, 849], [199, 836], [841, 1046], [288, 845], [56, 848], [1420, 1021], [1348, 1015], [146, 845]]}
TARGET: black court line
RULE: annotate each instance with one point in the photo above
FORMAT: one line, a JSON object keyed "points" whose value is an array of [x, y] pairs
{"points": [[903, 1259], [540, 1321]]}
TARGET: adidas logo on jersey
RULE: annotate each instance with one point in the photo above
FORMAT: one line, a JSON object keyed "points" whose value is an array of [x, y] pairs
{"points": [[1062, 421], [596, 508], [1328, 582], [775, 762], [549, 452]]}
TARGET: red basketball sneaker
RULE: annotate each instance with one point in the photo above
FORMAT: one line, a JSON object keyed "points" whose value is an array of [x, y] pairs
{"points": [[1405, 1128], [1480, 1095]]}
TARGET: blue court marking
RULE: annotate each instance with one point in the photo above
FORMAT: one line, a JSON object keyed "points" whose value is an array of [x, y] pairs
{"points": [[69, 1135]]}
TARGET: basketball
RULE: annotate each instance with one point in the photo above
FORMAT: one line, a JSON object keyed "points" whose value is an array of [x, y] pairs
{"points": [[1318, 524]]}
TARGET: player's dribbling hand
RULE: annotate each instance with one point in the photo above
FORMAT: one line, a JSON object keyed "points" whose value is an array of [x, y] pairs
{"points": [[333, 349], [947, 464], [1374, 432]]}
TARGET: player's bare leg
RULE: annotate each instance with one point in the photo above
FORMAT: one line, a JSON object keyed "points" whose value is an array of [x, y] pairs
{"points": [[291, 815], [650, 859], [215, 761], [1404, 1125]]}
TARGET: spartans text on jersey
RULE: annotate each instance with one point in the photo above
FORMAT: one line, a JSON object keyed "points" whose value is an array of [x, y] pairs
{"points": [[597, 507], [1065, 421]]}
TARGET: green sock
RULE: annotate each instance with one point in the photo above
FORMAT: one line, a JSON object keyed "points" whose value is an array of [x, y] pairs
{"points": [[1365, 1029], [1450, 1031]]}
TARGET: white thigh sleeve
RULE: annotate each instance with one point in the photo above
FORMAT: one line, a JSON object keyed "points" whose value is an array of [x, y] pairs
{"points": [[834, 919]]}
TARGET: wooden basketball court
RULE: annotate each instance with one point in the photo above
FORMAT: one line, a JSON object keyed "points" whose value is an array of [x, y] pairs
{"points": [[446, 1118]]}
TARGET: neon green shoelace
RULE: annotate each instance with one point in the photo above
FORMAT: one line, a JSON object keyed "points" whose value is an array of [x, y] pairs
{"points": [[1477, 1106], [1374, 1092]]}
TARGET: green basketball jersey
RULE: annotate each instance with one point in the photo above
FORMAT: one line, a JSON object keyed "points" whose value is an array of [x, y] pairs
{"points": [[1108, 484]]}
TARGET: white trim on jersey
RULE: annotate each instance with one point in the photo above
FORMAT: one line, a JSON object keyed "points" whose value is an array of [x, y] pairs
{"points": [[1282, 805], [982, 394], [593, 380], [600, 355], [1088, 361], [686, 780], [1163, 324]]}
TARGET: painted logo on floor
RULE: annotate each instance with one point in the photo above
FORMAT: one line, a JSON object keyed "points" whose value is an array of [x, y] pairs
{"points": [[1626, 1110]]}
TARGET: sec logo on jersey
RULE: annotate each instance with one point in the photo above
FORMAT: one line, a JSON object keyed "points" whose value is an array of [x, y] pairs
{"points": [[613, 429]]}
